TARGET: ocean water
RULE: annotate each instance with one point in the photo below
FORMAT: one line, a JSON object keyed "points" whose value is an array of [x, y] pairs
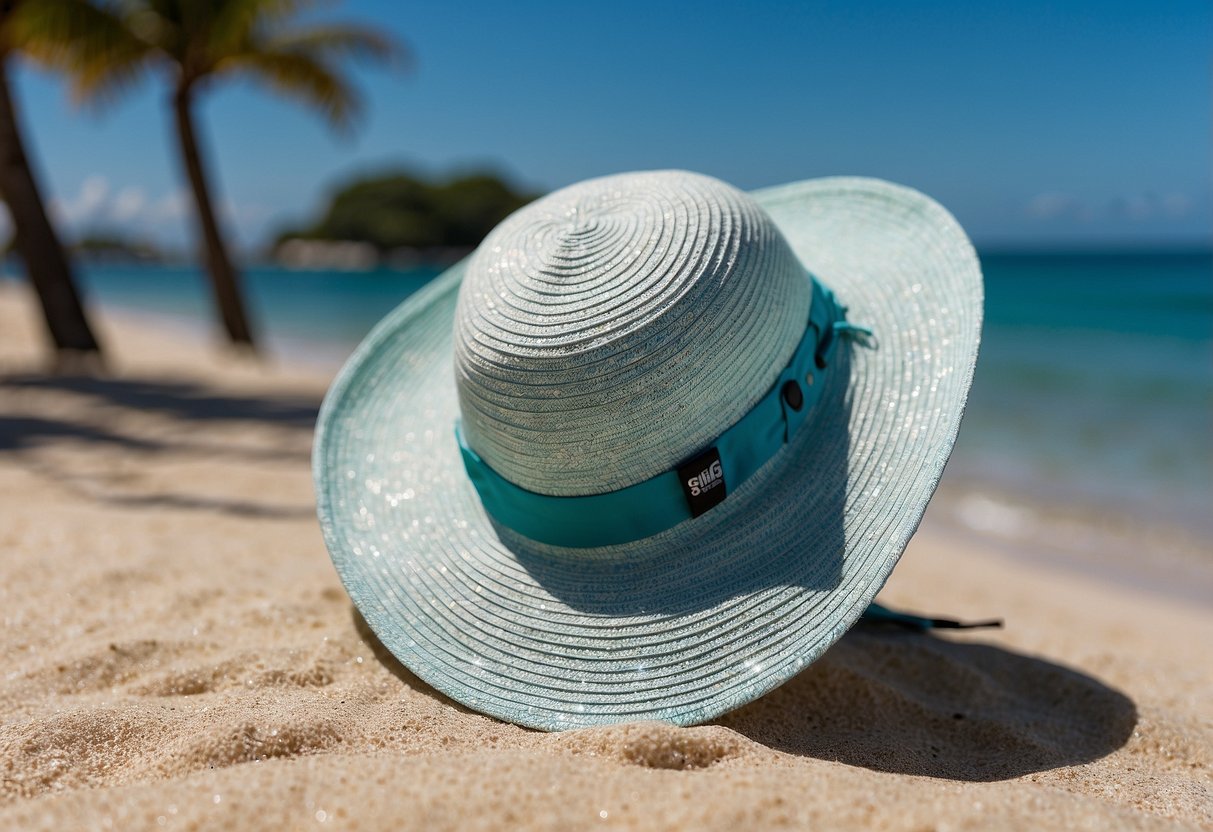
{"points": [[1094, 384]]}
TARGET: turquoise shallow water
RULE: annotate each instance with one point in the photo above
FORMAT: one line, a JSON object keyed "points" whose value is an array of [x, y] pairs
{"points": [[1094, 385], [1095, 382]]}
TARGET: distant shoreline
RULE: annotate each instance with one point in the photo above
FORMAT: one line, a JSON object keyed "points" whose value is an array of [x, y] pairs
{"points": [[408, 259]]}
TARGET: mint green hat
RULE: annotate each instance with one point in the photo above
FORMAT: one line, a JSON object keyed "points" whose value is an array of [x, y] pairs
{"points": [[654, 446]]}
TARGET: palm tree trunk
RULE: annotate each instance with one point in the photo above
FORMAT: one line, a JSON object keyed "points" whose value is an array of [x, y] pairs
{"points": [[225, 282], [36, 240]]}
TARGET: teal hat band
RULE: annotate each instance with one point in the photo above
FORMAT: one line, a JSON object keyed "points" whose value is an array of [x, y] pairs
{"points": [[663, 501]]}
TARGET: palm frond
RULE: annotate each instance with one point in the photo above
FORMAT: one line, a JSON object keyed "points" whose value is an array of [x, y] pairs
{"points": [[337, 41], [91, 41], [302, 77], [233, 23], [104, 46]]}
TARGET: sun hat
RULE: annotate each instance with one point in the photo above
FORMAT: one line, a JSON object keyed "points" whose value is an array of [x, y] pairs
{"points": [[654, 446]]}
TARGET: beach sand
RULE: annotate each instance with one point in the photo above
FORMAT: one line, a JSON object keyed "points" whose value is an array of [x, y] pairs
{"points": [[178, 652]]}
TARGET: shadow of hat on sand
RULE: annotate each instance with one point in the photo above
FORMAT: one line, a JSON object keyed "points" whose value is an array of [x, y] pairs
{"points": [[912, 703], [915, 703]]}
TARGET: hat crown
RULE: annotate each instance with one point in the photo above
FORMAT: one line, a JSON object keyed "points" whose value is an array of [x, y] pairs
{"points": [[614, 328]]}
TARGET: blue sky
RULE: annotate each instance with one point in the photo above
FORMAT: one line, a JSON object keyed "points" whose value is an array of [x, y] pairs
{"points": [[1054, 124]]}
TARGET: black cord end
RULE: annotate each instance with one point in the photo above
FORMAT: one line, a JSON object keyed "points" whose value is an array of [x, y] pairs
{"points": [[952, 624]]}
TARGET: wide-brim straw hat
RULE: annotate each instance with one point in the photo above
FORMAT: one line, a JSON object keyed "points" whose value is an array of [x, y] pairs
{"points": [[599, 341]]}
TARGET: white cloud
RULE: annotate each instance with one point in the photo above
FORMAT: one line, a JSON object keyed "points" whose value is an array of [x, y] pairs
{"points": [[1050, 205], [245, 213], [132, 209], [1148, 206], [1134, 207], [171, 207], [85, 207], [128, 205], [1177, 205]]}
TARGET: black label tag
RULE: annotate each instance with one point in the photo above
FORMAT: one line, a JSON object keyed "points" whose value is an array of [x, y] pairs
{"points": [[702, 481]]}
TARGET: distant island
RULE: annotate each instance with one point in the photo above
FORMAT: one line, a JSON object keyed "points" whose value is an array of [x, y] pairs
{"points": [[116, 248], [103, 246], [400, 219]]}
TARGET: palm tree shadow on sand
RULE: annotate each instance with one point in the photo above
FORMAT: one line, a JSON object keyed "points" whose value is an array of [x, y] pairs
{"points": [[188, 420]]}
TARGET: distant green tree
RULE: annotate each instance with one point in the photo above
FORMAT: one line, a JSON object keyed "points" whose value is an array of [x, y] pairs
{"points": [[100, 244], [398, 210], [106, 46], [34, 238]]}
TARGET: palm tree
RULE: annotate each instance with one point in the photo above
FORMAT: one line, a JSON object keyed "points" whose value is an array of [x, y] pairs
{"points": [[106, 46], [49, 270]]}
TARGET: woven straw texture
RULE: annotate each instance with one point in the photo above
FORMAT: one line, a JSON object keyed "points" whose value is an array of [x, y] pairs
{"points": [[615, 327], [706, 616]]}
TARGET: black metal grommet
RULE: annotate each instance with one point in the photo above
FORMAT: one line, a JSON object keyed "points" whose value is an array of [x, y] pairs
{"points": [[792, 395]]}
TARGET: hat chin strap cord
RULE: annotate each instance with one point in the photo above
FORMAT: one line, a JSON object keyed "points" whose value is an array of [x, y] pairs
{"points": [[880, 614]]}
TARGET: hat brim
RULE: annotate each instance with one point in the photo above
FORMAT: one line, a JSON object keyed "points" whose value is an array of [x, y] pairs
{"points": [[717, 611]]}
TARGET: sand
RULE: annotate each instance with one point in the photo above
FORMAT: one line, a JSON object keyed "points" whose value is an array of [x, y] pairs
{"points": [[178, 652]]}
